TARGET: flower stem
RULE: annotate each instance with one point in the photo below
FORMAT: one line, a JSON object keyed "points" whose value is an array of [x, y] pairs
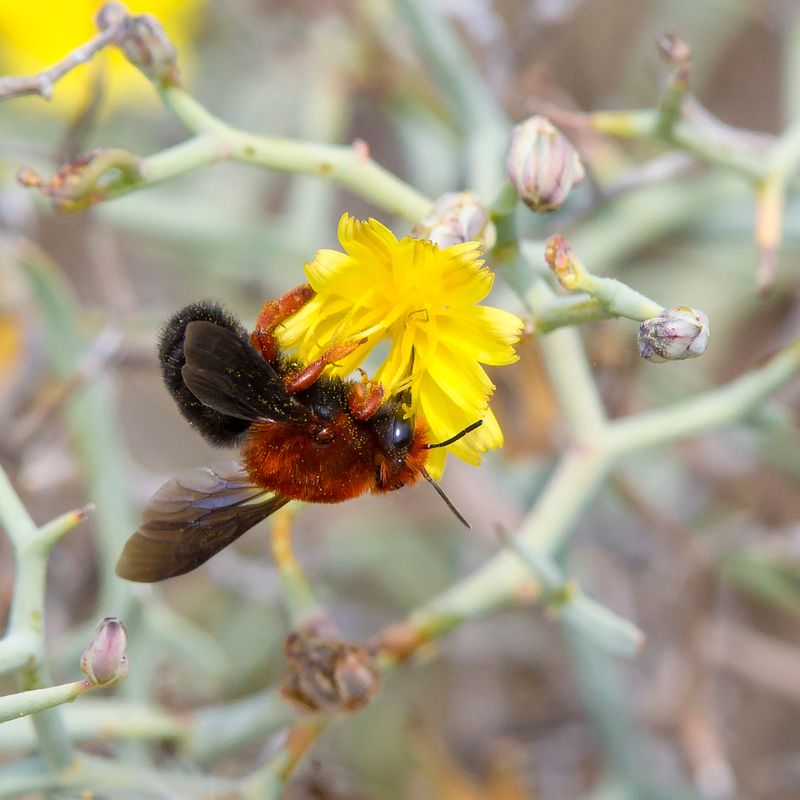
{"points": [[301, 603], [576, 610], [570, 374], [216, 141], [482, 121], [26, 622], [716, 407], [23, 704], [268, 782]]}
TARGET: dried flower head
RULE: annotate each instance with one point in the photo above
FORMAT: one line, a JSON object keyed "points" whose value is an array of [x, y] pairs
{"points": [[675, 334], [327, 674], [423, 299], [85, 180], [542, 164]]}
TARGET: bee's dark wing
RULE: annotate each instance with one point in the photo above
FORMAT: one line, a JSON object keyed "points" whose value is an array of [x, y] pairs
{"points": [[219, 429], [191, 518], [227, 374]]}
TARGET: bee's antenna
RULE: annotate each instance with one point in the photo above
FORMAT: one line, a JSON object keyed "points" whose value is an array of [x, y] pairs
{"points": [[444, 497], [455, 438]]}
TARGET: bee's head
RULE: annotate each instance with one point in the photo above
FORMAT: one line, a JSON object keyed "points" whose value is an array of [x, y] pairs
{"points": [[404, 445], [394, 430], [401, 445]]}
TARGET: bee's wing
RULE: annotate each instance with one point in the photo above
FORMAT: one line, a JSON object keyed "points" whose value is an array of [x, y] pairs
{"points": [[191, 518], [227, 374]]}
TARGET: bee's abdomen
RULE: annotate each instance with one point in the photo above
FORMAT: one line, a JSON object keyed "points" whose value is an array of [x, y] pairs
{"points": [[289, 460], [217, 428]]}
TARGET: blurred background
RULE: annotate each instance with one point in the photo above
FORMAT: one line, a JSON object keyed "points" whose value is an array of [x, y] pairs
{"points": [[699, 543]]}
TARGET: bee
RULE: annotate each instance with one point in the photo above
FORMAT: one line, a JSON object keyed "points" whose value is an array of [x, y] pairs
{"points": [[302, 435]]}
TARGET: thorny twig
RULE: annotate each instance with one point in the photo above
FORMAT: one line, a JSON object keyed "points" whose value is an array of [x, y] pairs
{"points": [[42, 83], [115, 27]]}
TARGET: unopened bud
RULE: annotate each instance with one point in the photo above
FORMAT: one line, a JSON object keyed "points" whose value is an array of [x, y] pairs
{"points": [[328, 675], [675, 334], [104, 662], [457, 217], [542, 164], [147, 46]]}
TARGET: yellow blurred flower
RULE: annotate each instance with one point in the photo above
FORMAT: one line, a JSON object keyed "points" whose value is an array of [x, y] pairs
{"points": [[421, 298], [37, 33]]}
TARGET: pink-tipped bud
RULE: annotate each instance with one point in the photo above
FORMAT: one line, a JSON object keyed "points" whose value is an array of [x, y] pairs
{"points": [[675, 334], [457, 217], [542, 164], [104, 662]]}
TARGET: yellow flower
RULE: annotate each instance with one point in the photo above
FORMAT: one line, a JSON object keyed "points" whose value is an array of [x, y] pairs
{"points": [[36, 34], [423, 300]]}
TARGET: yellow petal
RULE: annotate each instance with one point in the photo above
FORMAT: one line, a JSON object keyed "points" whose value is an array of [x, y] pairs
{"points": [[445, 419], [462, 378], [435, 463], [483, 332], [465, 281]]}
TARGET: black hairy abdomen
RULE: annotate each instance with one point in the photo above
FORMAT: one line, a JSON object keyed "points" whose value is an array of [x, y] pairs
{"points": [[217, 428]]}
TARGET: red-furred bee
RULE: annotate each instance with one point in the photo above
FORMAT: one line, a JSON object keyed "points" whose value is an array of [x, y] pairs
{"points": [[303, 436]]}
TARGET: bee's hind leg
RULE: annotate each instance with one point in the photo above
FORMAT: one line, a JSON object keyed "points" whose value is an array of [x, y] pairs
{"points": [[272, 314]]}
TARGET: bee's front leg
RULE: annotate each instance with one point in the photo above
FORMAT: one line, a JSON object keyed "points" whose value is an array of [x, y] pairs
{"points": [[365, 398], [297, 381], [272, 314]]}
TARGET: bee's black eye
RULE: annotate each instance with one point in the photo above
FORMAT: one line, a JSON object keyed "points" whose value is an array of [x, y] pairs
{"points": [[397, 434], [401, 432]]}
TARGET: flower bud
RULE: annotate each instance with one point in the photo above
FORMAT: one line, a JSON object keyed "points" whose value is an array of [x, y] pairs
{"points": [[542, 164], [675, 334], [328, 675], [104, 662], [457, 217]]}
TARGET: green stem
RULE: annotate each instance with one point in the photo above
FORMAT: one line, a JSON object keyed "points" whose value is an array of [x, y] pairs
{"points": [[574, 483], [23, 704], [677, 86], [92, 422], [571, 376], [26, 621], [52, 532], [697, 132], [92, 774], [269, 781], [217, 141], [106, 718], [715, 407], [561, 312], [15, 651], [619, 299], [482, 121], [14, 517], [576, 610], [221, 730], [505, 578]]}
